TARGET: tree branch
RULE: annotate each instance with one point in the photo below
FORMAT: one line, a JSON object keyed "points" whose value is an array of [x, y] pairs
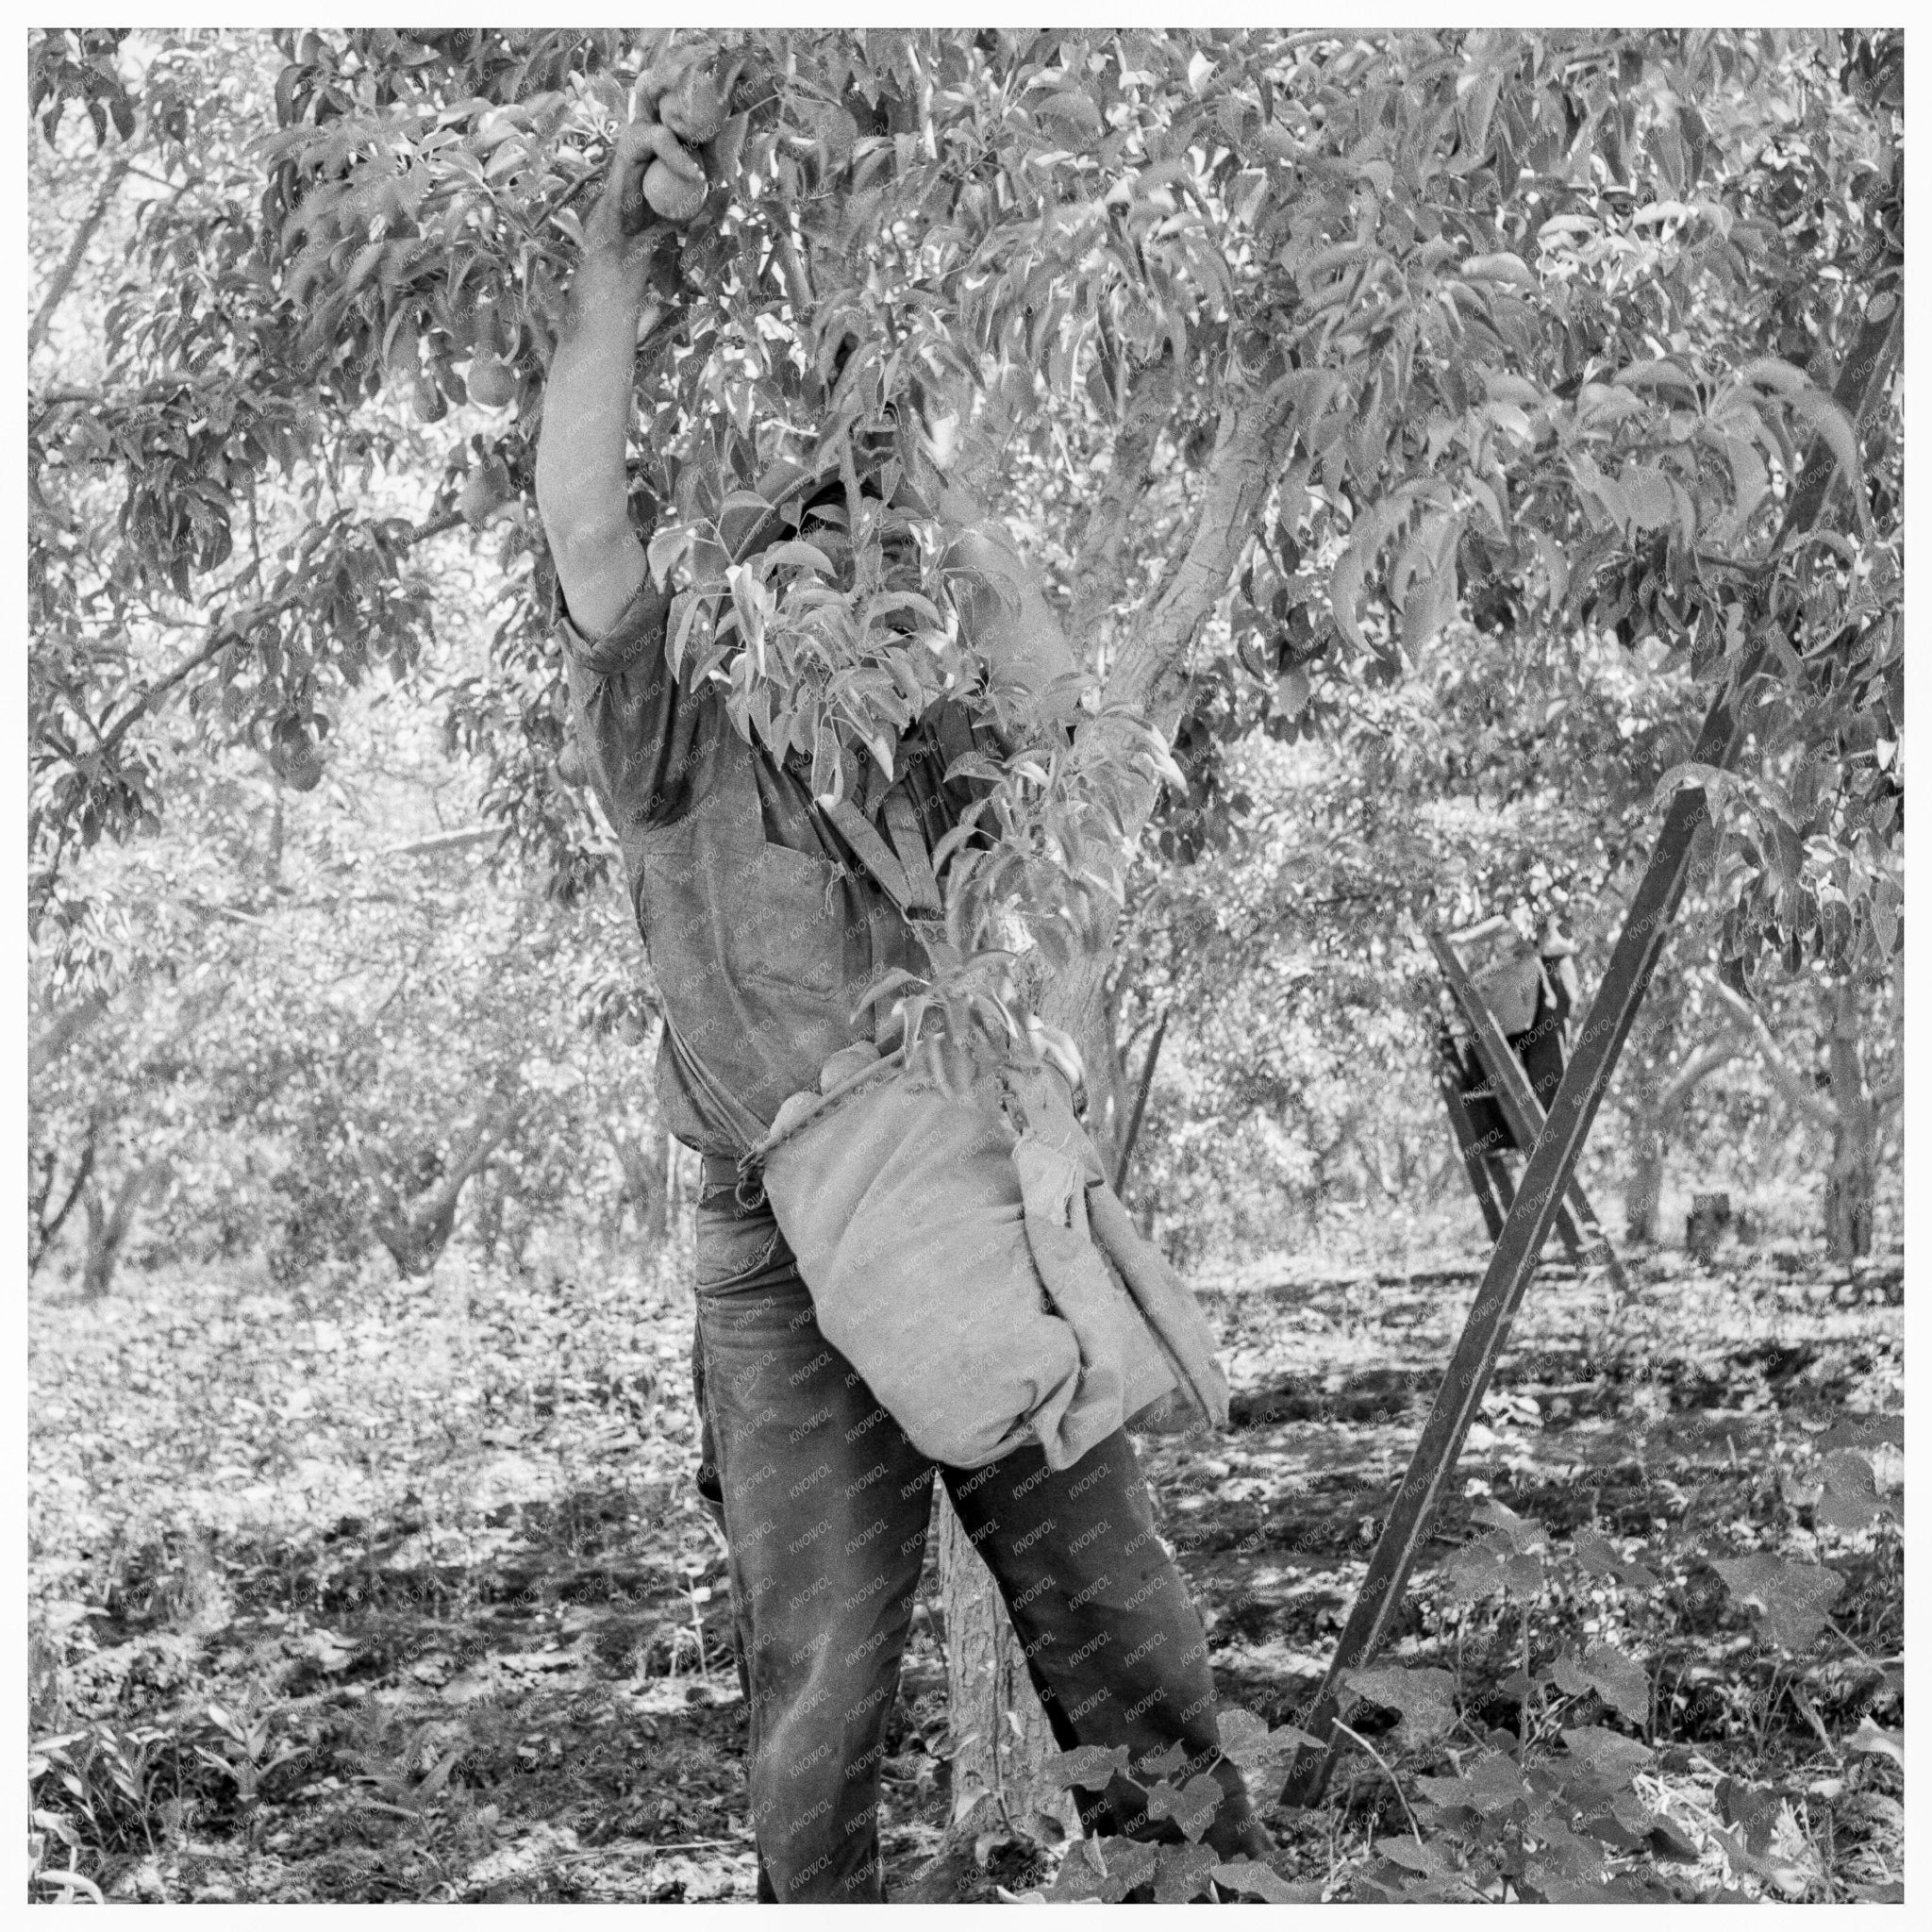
{"points": [[436, 526], [62, 1030], [442, 842], [48, 1230], [1149, 674], [1240, 474], [416, 1232], [76, 253], [1778, 1063], [797, 289], [1692, 1074], [161, 687], [128, 1200], [54, 398], [1098, 557]]}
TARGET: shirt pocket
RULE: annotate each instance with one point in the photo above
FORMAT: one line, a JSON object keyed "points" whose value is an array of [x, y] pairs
{"points": [[790, 926], [738, 909]]}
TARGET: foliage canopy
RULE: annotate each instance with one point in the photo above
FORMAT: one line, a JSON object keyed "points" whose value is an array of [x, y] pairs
{"points": [[1285, 351]]}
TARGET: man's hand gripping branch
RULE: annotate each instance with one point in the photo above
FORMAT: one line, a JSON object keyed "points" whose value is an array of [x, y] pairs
{"points": [[582, 491]]}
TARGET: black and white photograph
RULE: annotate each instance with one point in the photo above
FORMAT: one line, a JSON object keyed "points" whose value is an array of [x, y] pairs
{"points": [[965, 965]]}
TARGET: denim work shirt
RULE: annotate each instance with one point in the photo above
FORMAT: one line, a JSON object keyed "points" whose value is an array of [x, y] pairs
{"points": [[763, 932]]}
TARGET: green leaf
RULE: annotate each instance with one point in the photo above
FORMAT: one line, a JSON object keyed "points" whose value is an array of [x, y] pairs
{"points": [[1292, 691], [1851, 1498], [1346, 581], [1656, 375], [1793, 1600], [1774, 374], [1870, 1741], [1431, 1857], [748, 600], [1601, 491], [1750, 479], [665, 549], [1607, 1758], [1429, 607], [1246, 1740], [1757, 1808], [1103, 1869], [1602, 1558], [1492, 1783], [1647, 492], [1481, 1568], [1865, 1432], [1669, 1840], [1500, 268], [1192, 1807], [1250, 1874], [795, 554], [1831, 422], [1621, 1681], [1425, 1698], [1525, 1535], [680, 630], [1509, 1557], [1182, 1872], [1086, 1765]]}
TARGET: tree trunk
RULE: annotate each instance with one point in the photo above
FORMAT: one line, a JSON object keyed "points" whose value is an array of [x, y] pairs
{"points": [[1851, 1182], [1000, 1735], [646, 1182], [1144, 662], [990, 1700], [72, 1022], [490, 1206], [46, 1229], [1851, 1186], [416, 1231], [1107, 1095], [1653, 1118], [108, 1230], [277, 835], [1645, 1181], [62, 279]]}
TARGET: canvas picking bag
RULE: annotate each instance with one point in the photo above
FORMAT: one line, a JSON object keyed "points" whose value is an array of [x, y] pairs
{"points": [[967, 1256]]}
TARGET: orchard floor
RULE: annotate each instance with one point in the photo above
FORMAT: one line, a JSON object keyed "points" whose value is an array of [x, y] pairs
{"points": [[401, 1593]]}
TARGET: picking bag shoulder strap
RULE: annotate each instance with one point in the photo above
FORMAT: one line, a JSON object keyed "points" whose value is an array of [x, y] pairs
{"points": [[873, 853], [909, 844]]}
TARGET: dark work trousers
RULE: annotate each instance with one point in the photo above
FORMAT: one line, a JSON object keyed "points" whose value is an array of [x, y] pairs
{"points": [[825, 1505]]}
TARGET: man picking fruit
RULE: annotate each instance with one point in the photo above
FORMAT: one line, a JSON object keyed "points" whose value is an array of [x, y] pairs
{"points": [[764, 938]]}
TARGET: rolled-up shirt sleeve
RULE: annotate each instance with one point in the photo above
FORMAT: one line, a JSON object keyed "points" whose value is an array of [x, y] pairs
{"points": [[641, 738]]}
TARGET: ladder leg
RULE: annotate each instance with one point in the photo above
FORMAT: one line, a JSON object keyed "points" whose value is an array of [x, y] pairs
{"points": [[1475, 1163], [1569, 1234], [1596, 1240]]}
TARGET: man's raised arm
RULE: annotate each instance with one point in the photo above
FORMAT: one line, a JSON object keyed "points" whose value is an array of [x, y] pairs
{"points": [[582, 493]]}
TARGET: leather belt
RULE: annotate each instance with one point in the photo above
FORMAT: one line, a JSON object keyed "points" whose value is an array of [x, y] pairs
{"points": [[722, 1175]]}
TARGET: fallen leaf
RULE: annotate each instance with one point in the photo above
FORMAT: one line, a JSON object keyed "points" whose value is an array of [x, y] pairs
{"points": [[1869, 1739]]}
